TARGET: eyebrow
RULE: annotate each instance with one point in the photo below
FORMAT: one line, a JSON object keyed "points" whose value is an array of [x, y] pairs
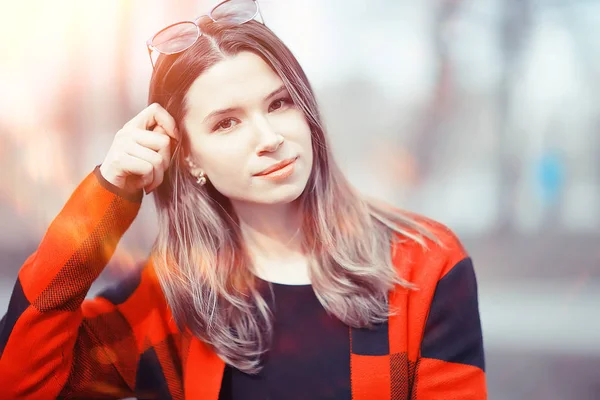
{"points": [[215, 113]]}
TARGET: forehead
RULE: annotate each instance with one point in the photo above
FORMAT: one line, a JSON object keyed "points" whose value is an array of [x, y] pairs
{"points": [[232, 82]]}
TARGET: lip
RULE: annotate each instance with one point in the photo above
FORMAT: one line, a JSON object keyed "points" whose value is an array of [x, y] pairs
{"points": [[276, 167]]}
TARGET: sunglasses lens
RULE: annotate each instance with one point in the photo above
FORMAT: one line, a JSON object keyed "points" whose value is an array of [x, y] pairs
{"points": [[234, 11], [176, 38]]}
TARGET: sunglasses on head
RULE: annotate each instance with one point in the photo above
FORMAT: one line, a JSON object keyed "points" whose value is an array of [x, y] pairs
{"points": [[180, 36]]}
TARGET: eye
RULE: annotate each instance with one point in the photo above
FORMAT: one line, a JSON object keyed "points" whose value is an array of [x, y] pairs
{"points": [[279, 103], [225, 124]]}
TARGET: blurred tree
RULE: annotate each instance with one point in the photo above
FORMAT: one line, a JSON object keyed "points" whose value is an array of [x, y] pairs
{"points": [[587, 46], [514, 29], [64, 114], [439, 107], [123, 107]]}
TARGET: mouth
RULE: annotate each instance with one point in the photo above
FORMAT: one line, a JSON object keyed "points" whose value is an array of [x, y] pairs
{"points": [[276, 167]]}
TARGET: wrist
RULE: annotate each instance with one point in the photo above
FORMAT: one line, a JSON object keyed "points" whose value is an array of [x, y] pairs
{"points": [[135, 196]]}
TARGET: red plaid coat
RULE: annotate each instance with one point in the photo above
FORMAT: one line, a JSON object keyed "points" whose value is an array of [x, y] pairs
{"points": [[124, 343]]}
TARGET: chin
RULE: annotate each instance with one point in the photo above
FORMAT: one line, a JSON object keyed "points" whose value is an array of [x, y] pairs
{"points": [[281, 195], [270, 193]]}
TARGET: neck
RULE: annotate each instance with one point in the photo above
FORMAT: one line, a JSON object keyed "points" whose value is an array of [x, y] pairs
{"points": [[271, 232]]}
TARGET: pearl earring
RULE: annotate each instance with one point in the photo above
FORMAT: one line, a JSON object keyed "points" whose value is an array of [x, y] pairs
{"points": [[201, 179]]}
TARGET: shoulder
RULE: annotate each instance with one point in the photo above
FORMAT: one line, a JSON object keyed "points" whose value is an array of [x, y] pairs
{"points": [[424, 250], [445, 294]]}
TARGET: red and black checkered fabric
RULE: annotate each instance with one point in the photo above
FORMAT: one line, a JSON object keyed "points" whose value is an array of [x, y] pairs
{"points": [[124, 343]]}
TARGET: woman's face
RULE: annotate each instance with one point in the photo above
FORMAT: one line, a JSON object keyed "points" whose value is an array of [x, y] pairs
{"points": [[241, 121]]}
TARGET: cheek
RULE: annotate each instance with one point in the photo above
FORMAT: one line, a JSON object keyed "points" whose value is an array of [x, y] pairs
{"points": [[220, 157], [306, 138], [294, 126]]}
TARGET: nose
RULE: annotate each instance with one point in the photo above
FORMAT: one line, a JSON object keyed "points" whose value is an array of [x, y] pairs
{"points": [[268, 140]]}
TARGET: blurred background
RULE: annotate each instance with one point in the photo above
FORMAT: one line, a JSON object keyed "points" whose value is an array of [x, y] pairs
{"points": [[483, 114]]}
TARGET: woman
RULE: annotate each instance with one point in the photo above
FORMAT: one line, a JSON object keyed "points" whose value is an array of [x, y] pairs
{"points": [[270, 277]]}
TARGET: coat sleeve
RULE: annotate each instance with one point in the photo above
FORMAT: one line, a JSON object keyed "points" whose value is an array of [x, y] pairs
{"points": [[53, 344], [451, 363]]}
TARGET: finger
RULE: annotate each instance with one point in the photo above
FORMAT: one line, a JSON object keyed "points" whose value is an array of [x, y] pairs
{"points": [[146, 154], [166, 151], [154, 140], [153, 158], [158, 170], [154, 115], [167, 122], [138, 168]]}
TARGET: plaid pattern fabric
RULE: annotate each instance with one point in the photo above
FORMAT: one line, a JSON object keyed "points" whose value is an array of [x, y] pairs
{"points": [[124, 343], [433, 347]]}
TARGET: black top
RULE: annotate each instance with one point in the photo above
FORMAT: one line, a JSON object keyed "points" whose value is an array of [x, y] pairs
{"points": [[309, 357]]}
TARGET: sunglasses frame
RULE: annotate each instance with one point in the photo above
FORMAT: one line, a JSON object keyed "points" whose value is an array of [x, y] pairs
{"points": [[152, 48]]}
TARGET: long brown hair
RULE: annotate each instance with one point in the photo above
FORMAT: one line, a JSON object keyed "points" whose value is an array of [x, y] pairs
{"points": [[199, 256]]}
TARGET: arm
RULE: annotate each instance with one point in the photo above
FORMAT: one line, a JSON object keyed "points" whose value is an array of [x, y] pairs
{"points": [[451, 363], [52, 342]]}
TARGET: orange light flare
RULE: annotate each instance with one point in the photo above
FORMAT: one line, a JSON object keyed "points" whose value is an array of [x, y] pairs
{"points": [[124, 260], [39, 36], [395, 164], [37, 172]]}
